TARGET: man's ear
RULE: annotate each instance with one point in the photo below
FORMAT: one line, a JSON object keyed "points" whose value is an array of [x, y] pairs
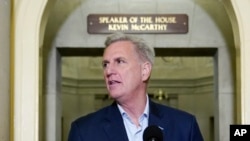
{"points": [[146, 71]]}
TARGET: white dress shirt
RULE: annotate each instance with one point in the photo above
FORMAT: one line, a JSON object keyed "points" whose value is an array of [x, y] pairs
{"points": [[135, 133]]}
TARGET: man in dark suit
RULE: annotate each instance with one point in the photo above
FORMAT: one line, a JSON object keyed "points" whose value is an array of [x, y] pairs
{"points": [[127, 64]]}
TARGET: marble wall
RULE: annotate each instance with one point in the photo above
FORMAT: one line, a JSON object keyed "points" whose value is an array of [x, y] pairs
{"points": [[4, 69]]}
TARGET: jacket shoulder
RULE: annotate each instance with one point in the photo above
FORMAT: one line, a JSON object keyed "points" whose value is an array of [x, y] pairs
{"points": [[171, 113]]}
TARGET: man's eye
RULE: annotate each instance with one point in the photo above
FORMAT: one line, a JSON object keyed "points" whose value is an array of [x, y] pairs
{"points": [[119, 61], [104, 65]]}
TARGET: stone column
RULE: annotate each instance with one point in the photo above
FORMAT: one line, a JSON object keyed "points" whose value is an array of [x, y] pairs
{"points": [[4, 69]]}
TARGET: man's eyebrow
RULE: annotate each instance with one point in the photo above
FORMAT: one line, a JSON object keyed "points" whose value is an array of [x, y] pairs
{"points": [[115, 59], [105, 61], [120, 57]]}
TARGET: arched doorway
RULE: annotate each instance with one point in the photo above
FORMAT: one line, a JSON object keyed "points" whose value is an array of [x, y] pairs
{"points": [[25, 98]]}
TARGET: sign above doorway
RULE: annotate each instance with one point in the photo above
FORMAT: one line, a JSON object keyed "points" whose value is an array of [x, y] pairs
{"points": [[138, 24]]}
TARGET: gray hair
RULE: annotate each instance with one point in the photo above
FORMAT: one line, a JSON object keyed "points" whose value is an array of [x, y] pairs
{"points": [[144, 50]]}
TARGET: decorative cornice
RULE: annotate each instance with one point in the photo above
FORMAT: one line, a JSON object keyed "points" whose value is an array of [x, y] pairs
{"points": [[180, 86]]}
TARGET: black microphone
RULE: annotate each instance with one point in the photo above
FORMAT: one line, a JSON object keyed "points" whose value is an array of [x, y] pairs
{"points": [[152, 133]]}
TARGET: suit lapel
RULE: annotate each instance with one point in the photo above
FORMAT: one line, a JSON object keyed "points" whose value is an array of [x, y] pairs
{"points": [[156, 116], [112, 125]]}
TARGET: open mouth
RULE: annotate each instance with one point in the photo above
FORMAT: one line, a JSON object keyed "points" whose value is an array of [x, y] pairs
{"points": [[113, 82]]}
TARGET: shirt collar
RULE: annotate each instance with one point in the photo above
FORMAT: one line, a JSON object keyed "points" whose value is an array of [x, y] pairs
{"points": [[145, 113]]}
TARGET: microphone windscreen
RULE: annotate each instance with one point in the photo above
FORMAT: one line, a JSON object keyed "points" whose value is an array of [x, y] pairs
{"points": [[152, 133]]}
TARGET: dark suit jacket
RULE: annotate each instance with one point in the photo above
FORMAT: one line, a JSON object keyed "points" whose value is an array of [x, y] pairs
{"points": [[107, 125]]}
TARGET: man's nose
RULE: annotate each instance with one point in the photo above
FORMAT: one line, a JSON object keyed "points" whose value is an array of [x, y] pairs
{"points": [[110, 70]]}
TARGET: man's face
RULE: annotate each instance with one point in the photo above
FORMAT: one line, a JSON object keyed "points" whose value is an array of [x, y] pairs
{"points": [[122, 70]]}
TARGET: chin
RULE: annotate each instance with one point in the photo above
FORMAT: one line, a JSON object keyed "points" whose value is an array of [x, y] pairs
{"points": [[115, 95]]}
